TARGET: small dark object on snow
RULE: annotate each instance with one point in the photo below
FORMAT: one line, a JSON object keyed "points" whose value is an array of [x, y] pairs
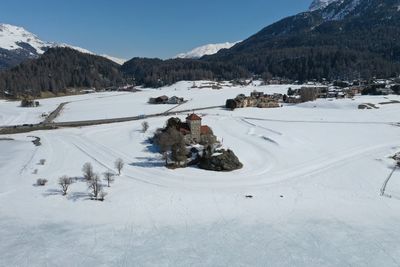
{"points": [[281, 196], [36, 140], [249, 196]]}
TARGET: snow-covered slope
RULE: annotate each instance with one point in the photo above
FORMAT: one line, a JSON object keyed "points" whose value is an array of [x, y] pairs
{"points": [[204, 50], [14, 37], [320, 4], [17, 44], [314, 170]]}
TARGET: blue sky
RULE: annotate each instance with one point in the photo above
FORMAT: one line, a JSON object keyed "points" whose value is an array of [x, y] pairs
{"points": [[148, 28]]}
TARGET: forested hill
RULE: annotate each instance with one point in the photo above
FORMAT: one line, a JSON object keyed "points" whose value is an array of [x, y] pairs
{"points": [[156, 72], [347, 39], [59, 69]]}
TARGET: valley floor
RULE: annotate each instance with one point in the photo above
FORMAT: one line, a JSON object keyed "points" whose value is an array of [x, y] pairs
{"points": [[314, 170]]}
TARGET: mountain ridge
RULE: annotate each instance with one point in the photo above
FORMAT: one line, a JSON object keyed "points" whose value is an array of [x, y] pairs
{"points": [[18, 44]]}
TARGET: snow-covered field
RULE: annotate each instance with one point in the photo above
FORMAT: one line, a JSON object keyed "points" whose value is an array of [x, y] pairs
{"points": [[11, 113], [107, 105], [315, 171]]}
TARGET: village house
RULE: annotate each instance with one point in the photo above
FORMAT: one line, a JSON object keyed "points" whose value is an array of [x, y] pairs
{"points": [[166, 100], [256, 99], [175, 100], [28, 101]]}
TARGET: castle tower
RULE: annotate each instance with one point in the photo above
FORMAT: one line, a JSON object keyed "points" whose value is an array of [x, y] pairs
{"points": [[194, 123]]}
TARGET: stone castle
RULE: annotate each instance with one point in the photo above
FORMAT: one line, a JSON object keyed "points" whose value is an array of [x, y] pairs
{"points": [[193, 130]]}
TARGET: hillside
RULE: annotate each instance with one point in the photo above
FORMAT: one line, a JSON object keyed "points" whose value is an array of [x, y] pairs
{"points": [[347, 39], [157, 72], [59, 69]]}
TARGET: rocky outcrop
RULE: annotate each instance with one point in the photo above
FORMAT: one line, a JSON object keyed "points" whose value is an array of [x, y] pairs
{"points": [[222, 161]]}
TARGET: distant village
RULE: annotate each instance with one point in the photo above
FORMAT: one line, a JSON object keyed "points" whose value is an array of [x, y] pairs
{"points": [[312, 91]]}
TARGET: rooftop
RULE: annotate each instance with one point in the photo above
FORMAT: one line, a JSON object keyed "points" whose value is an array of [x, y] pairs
{"points": [[193, 117]]}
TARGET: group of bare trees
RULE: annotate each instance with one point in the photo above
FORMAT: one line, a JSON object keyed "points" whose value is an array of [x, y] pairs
{"points": [[93, 180], [171, 140]]}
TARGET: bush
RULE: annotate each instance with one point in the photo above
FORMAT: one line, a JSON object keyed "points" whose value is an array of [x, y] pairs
{"points": [[102, 196], [41, 182], [42, 162]]}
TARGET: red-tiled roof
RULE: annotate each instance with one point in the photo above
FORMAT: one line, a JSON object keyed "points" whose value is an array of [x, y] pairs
{"points": [[193, 117], [205, 129]]}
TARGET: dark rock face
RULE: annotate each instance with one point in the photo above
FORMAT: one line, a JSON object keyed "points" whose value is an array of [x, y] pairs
{"points": [[225, 162], [11, 58]]}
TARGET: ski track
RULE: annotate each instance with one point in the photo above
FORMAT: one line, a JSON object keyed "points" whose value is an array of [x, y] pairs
{"points": [[269, 174]]}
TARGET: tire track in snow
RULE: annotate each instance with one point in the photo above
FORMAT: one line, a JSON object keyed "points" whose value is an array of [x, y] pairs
{"points": [[322, 122], [92, 150]]}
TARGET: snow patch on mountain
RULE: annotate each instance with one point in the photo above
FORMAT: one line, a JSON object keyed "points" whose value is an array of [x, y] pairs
{"points": [[79, 49], [204, 50], [320, 4], [117, 60], [345, 8]]}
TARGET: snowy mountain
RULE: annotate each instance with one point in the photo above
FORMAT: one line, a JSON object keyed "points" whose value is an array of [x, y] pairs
{"points": [[17, 45], [204, 50], [17, 38], [321, 4]]}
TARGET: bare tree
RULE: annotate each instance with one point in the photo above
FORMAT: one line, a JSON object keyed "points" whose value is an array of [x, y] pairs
{"points": [[65, 182], [119, 165], [145, 126], [95, 186], [109, 177], [87, 170], [179, 154], [168, 139]]}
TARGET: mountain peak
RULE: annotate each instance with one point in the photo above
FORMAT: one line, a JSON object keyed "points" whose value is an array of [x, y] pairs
{"points": [[13, 37], [205, 50], [17, 44]]}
